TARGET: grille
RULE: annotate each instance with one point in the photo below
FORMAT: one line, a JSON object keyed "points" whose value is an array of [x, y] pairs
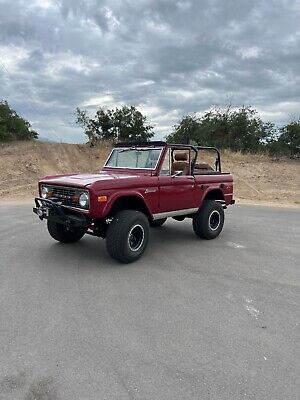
{"points": [[68, 196]]}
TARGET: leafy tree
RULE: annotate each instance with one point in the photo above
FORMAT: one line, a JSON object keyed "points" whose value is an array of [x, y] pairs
{"points": [[214, 128], [13, 126], [126, 124], [131, 124], [186, 131], [290, 137], [248, 131], [238, 129], [100, 127]]}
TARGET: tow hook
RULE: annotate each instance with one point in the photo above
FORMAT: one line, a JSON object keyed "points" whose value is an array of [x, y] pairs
{"points": [[40, 213]]}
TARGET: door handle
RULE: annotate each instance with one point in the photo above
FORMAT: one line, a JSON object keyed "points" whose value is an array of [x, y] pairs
{"points": [[203, 187]]}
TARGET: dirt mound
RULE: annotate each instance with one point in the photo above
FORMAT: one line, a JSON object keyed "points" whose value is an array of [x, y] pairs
{"points": [[260, 178], [22, 164], [257, 177]]}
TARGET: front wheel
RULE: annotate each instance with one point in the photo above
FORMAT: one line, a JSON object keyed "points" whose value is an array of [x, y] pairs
{"points": [[63, 234], [127, 236], [209, 220]]}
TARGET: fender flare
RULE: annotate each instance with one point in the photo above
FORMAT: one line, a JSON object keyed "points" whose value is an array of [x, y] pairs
{"points": [[209, 190], [117, 196]]}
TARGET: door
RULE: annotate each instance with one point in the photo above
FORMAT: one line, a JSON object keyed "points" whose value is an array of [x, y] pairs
{"points": [[177, 189]]}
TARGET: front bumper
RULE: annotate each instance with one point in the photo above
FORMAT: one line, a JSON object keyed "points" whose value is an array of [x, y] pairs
{"points": [[54, 211]]}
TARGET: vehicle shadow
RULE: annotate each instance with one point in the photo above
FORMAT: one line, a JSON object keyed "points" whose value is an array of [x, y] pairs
{"points": [[90, 252]]}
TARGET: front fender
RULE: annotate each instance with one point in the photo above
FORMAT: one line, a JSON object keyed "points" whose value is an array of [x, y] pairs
{"points": [[116, 196]]}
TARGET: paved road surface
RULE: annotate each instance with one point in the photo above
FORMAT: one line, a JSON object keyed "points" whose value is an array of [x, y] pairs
{"points": [[191, 320]]}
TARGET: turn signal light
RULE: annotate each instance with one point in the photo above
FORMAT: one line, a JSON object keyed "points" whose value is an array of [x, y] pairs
{"points": [[102, 199]]}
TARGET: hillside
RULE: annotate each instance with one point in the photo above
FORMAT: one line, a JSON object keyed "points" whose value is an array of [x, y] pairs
{"points": [[257, 177]]}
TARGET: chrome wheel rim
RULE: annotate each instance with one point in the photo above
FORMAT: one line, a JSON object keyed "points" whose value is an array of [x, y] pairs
{"points": [[214, 220], [136, 237]]}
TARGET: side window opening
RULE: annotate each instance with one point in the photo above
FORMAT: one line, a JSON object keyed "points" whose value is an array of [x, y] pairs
{"points": [[206, 162], [181, 161]]}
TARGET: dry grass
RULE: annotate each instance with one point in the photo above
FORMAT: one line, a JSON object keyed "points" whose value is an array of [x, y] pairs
{"points": [[260, 178], [22, 164], [257, 177]]}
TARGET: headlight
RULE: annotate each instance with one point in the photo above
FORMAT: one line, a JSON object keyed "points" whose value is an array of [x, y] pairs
{"points": [[44, 192], [84, 200]]}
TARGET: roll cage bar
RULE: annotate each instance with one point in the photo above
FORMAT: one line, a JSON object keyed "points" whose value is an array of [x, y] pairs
{"points": [[179, 146]]}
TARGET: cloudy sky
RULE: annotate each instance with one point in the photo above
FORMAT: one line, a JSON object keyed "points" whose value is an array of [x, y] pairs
{"points": [[167, 57]]}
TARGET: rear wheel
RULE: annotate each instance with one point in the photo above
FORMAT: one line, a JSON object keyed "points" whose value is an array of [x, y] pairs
{"points": [[63, 234], [127, 236], [208, 222], [157, 222]]}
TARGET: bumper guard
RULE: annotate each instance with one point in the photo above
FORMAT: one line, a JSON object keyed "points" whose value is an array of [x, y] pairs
{"points": [[53, 210]]}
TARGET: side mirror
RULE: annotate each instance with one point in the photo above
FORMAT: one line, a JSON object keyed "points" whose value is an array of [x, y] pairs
{"points": [[178, 173]]}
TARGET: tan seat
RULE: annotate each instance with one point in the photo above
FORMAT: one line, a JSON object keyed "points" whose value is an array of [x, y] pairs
{"points": [[203, 166], [181, 164]]}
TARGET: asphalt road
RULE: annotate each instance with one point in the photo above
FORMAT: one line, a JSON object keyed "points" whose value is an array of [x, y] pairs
{"points": [[192, 319]]}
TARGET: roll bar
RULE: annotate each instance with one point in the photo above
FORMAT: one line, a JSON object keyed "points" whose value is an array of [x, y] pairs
{"points": [[164, 144], [218, 158]]}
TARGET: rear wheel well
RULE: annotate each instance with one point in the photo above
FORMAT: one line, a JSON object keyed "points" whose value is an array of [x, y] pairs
{"points": [[129, 203], [215, 194]]}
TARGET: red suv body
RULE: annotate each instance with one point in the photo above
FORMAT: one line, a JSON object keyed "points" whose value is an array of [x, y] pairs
{"points": [[152, 180]]}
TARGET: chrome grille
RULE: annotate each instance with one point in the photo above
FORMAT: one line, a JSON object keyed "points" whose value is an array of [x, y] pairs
{"points": [[68, 196]]}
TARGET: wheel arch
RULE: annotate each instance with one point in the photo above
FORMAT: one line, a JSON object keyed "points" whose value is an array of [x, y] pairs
{"points": [[214, 194], [128, 202]]}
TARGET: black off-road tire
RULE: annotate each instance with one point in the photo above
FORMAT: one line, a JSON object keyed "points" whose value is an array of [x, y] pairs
{"points": [[209, 220], [127, 236], [157, 222], [62, 234]]}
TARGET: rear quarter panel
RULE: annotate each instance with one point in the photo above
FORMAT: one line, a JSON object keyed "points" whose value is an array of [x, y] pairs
{"points": [[207, 183]]}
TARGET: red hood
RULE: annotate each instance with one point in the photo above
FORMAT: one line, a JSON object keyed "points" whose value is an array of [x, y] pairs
{"points": [[82, 180]]}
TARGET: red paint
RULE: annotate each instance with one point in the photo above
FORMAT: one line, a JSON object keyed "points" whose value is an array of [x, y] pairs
{"points": [[159, 193]]}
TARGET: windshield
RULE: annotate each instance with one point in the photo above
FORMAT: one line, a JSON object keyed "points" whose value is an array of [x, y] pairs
{"points": [[134, 158]]}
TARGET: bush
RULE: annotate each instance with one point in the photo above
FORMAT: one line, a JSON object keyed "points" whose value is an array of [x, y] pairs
{"points": [[12, 126]]}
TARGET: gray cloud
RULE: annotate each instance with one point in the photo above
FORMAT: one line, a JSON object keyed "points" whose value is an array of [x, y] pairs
{"points": [[166, 57]]}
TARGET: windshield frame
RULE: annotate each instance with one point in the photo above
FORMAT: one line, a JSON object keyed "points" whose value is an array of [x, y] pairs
{"points": [[143, 148]]}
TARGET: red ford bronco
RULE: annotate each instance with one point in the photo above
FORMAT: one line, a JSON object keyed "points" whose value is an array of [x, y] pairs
{"points": [[140, 185]]}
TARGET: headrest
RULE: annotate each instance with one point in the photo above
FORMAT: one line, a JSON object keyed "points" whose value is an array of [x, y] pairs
{"points": [[181, 157]]}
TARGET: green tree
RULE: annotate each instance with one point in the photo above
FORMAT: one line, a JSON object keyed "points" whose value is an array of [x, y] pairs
{"points": [[238, 129], [126, 124], [100, 127], [247, 131], [214, 129], [186, 131], [13, 126], [290, 137]]}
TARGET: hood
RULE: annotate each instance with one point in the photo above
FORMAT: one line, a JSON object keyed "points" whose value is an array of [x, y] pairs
{"points": [[82, 180]]}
